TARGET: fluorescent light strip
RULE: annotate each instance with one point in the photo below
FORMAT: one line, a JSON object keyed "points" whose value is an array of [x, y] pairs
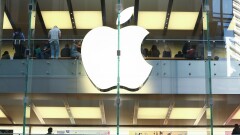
{"points": [[152, 113], [86, 112], [236, 13], [234, 54], [235, 46], [151, 20], [236, 5], [6, 22], [53, 112], [185, 113], [88, 19]]}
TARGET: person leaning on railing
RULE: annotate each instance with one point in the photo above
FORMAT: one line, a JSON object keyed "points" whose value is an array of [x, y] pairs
{"points": [[76, 50]]}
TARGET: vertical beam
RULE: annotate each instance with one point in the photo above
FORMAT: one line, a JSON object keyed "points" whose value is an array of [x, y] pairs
{"points": [[103, 8], [168, 113], [36, 111], [231, 116], [70, 9], [169, 9], [136, 9], [101, 105], [2, 4], [69, 112], [5, 113], [135, 113], [200, 115], [221, 17], [199, 19], [10, 18], [39, 14]]}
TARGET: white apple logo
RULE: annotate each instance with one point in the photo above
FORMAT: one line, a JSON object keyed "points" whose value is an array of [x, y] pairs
{"points": [[99, 56]]}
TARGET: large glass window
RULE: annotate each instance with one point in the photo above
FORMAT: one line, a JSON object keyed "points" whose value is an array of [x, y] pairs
{"points": [[54, 68]]}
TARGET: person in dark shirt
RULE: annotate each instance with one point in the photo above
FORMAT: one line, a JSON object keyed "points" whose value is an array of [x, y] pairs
{"points": [[38, 52], [145, 52], [154, 52], [66, 51], [185, 48], [46, 51], [191, 53], [49, 131], [179, 55], [6, 55], [236, 130]]}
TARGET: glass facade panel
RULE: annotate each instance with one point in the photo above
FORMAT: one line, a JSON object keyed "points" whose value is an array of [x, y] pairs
{"points": [[46, 81]]}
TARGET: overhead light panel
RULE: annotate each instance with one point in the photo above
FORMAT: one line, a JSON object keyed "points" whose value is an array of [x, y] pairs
{"points": [[2, 115], [182, 20], [151, 20], [6, 22], [86, 112], [185, 113], [53, 112], [88, 19], [61, 19], [237, 115], [232, 24], [152, 113]]}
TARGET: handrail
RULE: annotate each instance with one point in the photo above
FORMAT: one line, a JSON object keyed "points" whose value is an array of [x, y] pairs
{"points": [[189, 40]]}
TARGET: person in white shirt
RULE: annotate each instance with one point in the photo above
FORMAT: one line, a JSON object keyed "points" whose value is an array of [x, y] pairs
{"points": [[54, 35]]}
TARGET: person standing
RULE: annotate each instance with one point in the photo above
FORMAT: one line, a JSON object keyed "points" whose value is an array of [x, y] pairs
{"points": [[236, 130], [185, 48], [154, 52], [49, 131], [54, 35], [167, 51], [18, 43]]}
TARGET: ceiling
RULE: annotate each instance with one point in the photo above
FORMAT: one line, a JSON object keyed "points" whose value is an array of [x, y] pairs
{"points": [[18, 10], [224, 109]]}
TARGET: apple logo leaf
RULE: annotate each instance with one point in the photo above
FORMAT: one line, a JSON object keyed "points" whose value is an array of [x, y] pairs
{"points": [[125, 15]]}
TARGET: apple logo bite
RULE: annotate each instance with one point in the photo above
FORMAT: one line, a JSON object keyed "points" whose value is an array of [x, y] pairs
{"points": [[99, 57]]}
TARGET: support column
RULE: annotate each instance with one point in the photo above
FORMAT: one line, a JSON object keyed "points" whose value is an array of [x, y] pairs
{"points": [[2, 5]]}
